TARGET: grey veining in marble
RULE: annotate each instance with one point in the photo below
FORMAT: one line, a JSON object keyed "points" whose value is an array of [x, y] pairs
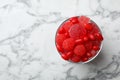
{"points": [[27, 33]]}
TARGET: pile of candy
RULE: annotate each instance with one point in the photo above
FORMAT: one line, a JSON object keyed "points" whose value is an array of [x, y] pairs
{"points": [[78, 39]]}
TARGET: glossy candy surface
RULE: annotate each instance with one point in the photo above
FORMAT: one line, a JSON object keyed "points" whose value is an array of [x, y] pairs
{"points": [[78, 39]]}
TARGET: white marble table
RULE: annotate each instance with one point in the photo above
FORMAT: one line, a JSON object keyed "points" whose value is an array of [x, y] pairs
{"points": [[27, 31]]}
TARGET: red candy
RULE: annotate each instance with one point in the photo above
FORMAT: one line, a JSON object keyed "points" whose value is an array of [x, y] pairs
{"points": [[85, 38], [66, 25], [89, 55], [83, 20], [98, 43], [68, 44], [76, 31], [91, 37], [64, 56], [84, 59], [74, 20], [69, 54], [88, 45], [78, 39], [60, 38], [80, 50], [96, 48], [88, 26], [61, 30], [95, 28], [99, 36], [75, 58], [59, 48]]}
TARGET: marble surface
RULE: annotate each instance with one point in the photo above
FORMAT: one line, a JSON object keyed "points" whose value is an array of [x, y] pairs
{"points": [[27, 33]]}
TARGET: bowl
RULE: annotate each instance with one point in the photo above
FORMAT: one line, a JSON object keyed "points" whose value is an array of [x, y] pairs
{"points": [[78, 39]]}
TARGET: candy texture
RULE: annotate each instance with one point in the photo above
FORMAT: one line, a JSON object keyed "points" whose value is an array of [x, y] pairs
{"points": [[78, 39]]}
